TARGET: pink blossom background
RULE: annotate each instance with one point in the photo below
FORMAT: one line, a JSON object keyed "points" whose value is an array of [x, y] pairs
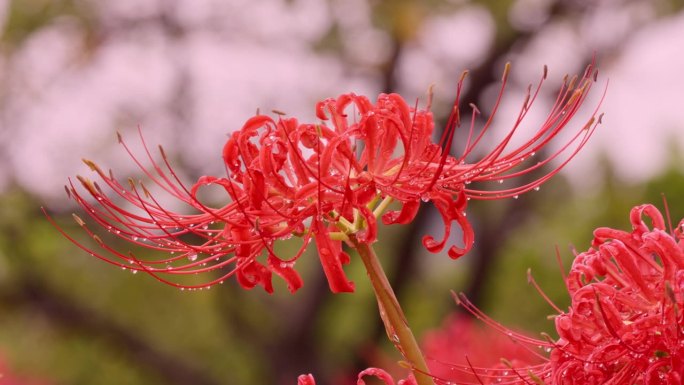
{"points": [[189, 72]]}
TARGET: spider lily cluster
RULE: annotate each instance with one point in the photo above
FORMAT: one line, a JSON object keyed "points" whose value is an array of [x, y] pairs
{"points": [[623, 326], [330, 181]]}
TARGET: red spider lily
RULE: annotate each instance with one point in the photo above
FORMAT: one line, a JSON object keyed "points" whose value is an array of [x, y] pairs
{"points": [[461, 344], [328, 181], [624, 324]]}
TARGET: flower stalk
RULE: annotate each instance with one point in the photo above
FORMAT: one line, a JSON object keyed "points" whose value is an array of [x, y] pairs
{"points": [[391, 313]]}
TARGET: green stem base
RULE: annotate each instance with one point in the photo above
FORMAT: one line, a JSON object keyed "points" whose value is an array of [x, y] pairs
{"points": [[392, 315]]}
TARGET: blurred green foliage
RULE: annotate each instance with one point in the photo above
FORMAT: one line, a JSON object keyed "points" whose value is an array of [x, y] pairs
{"points": [[28, 16], [196, 326]]}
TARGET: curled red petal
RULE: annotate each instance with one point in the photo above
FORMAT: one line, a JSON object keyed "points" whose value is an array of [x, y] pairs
{"points": [[202, 181], [365, 194], [408, 211], [228, 185], [370, 233], [231, 155], [379, 373], [468, 238], [257, 189], [285, 270], [332, 257], [650, 211], [253, 274], [320, 106], [306, 379], [450, 210]]}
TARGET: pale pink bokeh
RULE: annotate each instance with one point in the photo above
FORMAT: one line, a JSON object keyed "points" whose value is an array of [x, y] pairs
{"points": [[188, 90]]}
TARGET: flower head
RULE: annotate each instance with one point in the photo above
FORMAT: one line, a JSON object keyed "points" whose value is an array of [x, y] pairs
{"points": [[624, 324], [328, 181]]}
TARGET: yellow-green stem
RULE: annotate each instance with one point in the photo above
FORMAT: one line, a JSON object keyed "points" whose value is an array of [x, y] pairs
{"points": [[395, 322]]}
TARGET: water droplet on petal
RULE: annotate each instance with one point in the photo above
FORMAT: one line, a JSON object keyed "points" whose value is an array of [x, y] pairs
{"points": [[192, 257]]}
